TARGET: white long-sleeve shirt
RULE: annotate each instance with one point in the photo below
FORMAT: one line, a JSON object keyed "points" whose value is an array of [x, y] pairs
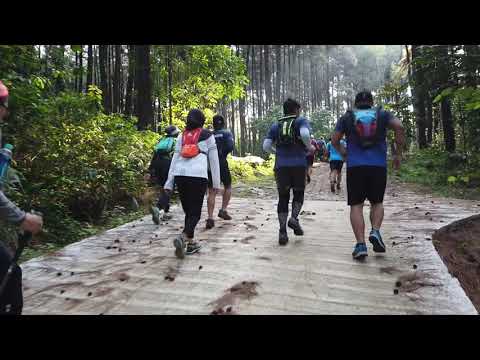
{"points": [[197, 166]]}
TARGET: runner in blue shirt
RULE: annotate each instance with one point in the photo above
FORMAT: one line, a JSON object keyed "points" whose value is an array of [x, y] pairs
{"points": [[365, 128], [336, 164], [289, 139]]}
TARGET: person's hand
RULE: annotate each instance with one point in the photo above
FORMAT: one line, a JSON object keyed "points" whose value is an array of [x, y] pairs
{"points": [[396, 162], [32, 223]]}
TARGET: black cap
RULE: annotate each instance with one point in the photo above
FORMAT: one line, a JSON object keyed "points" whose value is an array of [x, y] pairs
{"points": [[364, 97], [218, 122]]}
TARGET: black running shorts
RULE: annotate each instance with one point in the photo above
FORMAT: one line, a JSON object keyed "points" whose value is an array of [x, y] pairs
{"points": [[336, 165], [225, 175], [291, 178], [366, 182]]}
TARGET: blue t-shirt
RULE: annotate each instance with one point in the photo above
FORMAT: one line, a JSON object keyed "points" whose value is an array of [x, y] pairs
{"points": [[290, 155], [224, 140], [334, 155], [358, 156]]}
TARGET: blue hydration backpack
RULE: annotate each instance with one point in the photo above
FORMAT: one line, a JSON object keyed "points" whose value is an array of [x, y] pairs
{"points": [[367, 125], [165, 146]]}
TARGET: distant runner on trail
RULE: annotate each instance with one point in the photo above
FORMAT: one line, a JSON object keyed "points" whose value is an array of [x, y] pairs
{"points": [[365, 128], [316, 148], [289, 139], [195, 152], [159, 168], [336, 164], [224, 140], [11, 300]]}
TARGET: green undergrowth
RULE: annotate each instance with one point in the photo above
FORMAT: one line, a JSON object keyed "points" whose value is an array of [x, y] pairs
{"points": [[443, 174]]}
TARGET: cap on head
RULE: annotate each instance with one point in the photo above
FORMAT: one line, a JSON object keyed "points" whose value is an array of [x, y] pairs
{"points": [[364, 99], [171, 130], [218, 122], [3, 95]]}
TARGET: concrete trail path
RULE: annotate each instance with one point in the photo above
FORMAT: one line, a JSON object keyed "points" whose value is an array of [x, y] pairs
{"points": [[242, 270]]}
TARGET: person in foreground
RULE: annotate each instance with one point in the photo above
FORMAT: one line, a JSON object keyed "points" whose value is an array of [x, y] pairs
{"points": [[195, 152], [11, 300], [365, 128], [289, 139], [224, 140]]}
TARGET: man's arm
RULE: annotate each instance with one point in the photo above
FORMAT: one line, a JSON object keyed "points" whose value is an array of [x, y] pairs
{"points": [[9, 211], [230, 143], [338, 135], [399, 132], [268, 143]]}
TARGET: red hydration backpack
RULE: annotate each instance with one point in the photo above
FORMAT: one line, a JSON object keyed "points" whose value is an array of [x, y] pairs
{"points": [[190, 139]]}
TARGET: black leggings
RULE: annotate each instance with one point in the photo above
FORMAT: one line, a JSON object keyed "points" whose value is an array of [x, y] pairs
{"points": [[290, 178], [12, 294], [192, 191]]}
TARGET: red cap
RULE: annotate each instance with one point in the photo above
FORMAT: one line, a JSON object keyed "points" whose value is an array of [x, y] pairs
{"points": [[3, 94]]}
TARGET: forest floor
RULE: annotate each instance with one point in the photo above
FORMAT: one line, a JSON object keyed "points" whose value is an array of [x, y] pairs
{"points": [[241, 269]]}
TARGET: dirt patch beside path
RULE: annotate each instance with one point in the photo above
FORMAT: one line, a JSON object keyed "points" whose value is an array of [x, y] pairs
{"points": [[458, 244]]}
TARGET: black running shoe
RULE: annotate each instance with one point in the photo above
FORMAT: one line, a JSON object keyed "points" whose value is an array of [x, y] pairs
{"points": [[192, 248], [282, 238], [210, 224], [295, 225], [332, 187], [224, 215]]}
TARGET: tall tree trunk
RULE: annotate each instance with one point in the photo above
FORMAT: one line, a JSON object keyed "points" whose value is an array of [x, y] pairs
{"points": [[418, 97], [241, 109], [130, 80], [232, 104], [89, 65], [429, 118], [268, 77], [278, 71], [444, 69], [447, 122], [80, 78], [116, 79], [75, 86], [143, 85], [102, 57], [169, 83]]}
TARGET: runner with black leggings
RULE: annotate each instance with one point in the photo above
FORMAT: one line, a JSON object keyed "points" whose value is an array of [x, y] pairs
{"points": [[289, 139], [195, 152]]}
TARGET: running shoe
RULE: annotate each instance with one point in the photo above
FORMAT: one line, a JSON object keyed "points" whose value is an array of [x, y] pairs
{"points": [[376, 239], [338, 186], [180, 247], [210, 224], [295, 225], [192, 248], [224, 215], [155, 211], [360, 251], [332, 187], [167, 217], [282, 238]]}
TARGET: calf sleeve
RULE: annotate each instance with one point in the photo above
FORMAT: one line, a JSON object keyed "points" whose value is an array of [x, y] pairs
{"points": [[297, 203]]}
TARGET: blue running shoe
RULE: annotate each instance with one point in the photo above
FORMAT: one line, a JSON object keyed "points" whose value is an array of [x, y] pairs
{"points": [[360, 251], [376, 239]]}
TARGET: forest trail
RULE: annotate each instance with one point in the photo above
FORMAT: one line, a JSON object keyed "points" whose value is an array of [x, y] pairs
{"points": [[242, 270]]}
